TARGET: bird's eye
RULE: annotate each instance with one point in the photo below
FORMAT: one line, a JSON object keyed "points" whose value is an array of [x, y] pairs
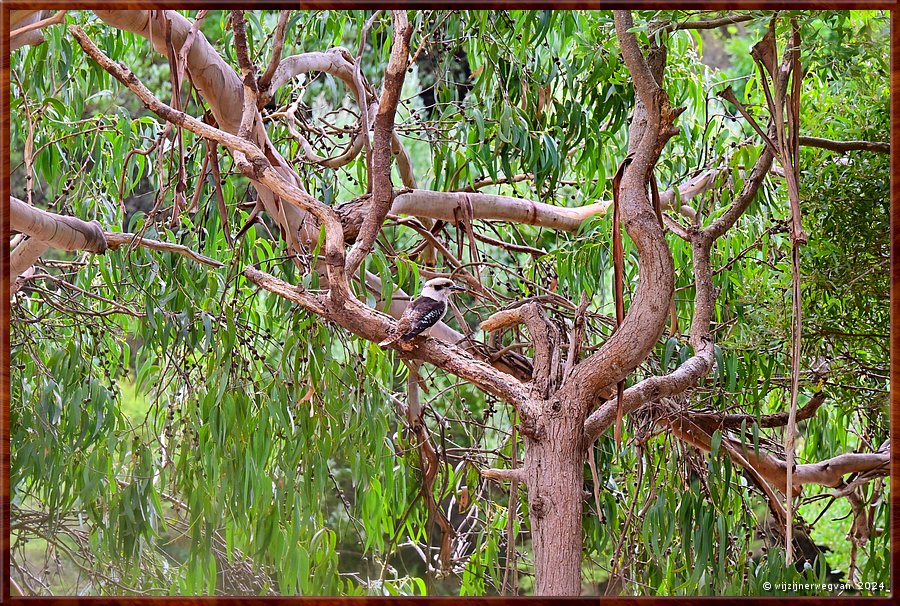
{"points": [[438, 287]]}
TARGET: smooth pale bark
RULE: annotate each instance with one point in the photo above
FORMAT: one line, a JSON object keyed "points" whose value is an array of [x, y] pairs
{"points": [[446, 206], [22, 259], [22, 19], [59, 231]]}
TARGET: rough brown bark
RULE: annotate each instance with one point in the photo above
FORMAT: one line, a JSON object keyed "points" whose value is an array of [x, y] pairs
{"points": [[554, 474], [382, 189], [645, 321]]}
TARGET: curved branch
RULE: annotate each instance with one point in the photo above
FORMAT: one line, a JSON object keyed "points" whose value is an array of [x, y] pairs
{"points": [[761, 167], [71, 233], [28, 34], [713, 420], [650, 389], [338, 62], [116, 240], [701, 363], [382, 190], [649, 310], [829, 472], [338, 161]]}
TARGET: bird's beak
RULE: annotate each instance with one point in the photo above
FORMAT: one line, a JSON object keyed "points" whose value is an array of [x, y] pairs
{"points": [[458, 287]]}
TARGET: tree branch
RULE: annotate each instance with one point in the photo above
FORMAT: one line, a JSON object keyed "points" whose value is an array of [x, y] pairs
{"points": [[491, 207], [18, 37], [751, 187], [713, 420], [703, 24], [213, 78], [829, 472], [504, 475], [116, 240], [21, 261], [59, 231], [649, 310], [844, 146], [249, 112], [275, 59], [698, 366], [354, 316], [382, 190], [728, 95], [544, 335], [248, 157]]}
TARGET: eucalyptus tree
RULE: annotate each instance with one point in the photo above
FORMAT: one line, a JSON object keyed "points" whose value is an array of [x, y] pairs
{"points": [[199, 403]]}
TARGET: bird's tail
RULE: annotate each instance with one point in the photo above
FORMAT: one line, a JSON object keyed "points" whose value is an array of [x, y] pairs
{"points": [[392, 338]]}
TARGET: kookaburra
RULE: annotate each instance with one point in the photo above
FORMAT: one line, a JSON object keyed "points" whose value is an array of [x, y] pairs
{"points": [[424, 312]]}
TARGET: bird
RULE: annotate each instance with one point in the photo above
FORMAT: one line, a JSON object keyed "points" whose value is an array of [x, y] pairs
{"points": [[424, 312]]}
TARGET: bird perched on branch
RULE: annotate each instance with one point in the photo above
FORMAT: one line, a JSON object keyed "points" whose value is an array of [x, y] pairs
{"points": [[424, 312]]}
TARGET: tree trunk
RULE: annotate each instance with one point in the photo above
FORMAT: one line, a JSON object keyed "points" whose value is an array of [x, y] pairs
{"points": [[554, 469]]}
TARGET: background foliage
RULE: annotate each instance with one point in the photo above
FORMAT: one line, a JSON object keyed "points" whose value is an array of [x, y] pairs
{"points": [[175, 431]]}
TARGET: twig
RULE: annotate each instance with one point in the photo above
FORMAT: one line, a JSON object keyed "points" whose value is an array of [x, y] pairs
{"points": [[116, 239], [58, 17], [511, 512], [275, 59]]}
